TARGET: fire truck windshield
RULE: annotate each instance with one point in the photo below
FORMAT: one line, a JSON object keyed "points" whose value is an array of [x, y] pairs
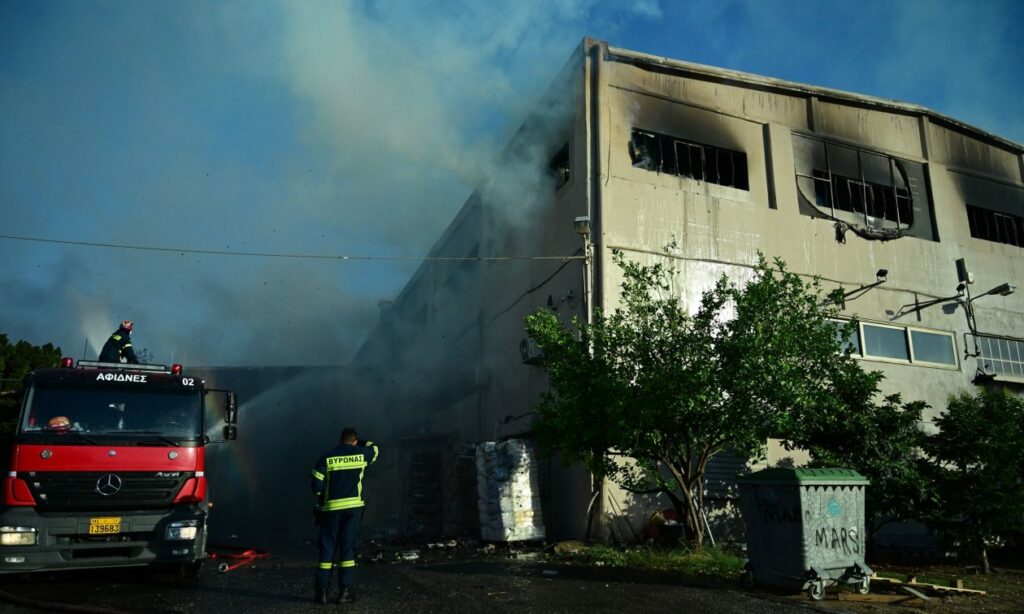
{"points": [[128, 413]]}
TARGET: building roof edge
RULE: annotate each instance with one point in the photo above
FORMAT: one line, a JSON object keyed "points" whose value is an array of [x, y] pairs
{"points": [[619, 54]]}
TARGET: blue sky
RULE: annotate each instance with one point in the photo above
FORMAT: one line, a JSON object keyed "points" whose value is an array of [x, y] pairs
{"points": [[355, 128]]}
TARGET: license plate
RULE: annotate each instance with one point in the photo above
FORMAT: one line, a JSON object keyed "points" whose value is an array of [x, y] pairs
{"points": [[104, 526]]}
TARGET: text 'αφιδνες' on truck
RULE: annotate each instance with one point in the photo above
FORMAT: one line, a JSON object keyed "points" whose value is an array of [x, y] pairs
{"points": [[107, 468]]}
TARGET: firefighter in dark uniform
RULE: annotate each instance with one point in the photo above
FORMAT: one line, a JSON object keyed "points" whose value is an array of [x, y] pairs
{"points": [[338, 485], [119, 347]]}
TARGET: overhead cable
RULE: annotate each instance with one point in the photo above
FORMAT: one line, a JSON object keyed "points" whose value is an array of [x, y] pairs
{"points": [[227, 252], [538, 286]]}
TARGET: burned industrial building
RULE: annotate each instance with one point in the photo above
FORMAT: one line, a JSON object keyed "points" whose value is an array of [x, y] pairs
{"points": [[875, 197]]}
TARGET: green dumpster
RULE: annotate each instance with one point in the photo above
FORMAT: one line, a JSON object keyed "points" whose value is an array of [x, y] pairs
{"points": [[805, 529]]}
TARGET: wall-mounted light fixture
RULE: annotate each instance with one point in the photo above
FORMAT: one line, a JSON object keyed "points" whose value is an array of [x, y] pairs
{"points": [[582, 225], [983, 375], [881, 276], [918, 306], [1002, 290], [964, 299]]}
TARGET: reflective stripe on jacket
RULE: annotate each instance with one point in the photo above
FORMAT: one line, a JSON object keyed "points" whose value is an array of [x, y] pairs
{"points": [[337, 479], [119, 346]]}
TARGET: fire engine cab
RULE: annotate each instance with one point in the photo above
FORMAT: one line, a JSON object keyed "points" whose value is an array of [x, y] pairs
{"points": [[107, 468]]}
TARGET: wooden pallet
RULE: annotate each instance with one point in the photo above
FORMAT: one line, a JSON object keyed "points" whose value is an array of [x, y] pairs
{"points": [[912, 582]]}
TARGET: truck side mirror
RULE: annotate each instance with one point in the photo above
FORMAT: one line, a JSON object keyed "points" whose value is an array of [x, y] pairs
{"points": [[231, 411], [230, 432]]}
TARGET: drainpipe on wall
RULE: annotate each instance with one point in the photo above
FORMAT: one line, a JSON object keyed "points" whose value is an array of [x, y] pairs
{"points": [[592, 266]]}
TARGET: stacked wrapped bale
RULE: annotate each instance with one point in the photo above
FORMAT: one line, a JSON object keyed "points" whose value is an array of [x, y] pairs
{"points": [[509, 492]]}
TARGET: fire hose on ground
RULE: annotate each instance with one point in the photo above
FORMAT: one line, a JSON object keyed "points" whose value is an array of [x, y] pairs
{"points": [[233, 557]]}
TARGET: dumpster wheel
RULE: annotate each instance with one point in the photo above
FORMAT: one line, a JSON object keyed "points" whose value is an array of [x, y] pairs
{"points": [[747, 577], [816, 590], [864, 586]]}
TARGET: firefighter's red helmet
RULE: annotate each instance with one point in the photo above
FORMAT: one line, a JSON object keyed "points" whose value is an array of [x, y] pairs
{"points": [[58, 423], [127, 325]]}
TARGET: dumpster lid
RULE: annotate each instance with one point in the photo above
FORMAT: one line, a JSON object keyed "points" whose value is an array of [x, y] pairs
{"points": [[845, 477]]}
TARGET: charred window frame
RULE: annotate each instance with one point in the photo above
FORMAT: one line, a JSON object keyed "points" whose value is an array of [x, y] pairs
{"points": [[995, 226], [866, 188], [560, 168], [674, 156]]}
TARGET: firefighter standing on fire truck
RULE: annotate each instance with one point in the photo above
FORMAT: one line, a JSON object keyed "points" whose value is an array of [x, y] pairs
{"points": [[337, 482], [119, 347]]}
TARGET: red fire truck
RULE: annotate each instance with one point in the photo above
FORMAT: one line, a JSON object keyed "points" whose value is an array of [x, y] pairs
{"points": [[107, 468]]}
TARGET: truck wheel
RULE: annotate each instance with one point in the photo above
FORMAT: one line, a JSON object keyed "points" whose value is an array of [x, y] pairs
{"points": [[816, 590]]}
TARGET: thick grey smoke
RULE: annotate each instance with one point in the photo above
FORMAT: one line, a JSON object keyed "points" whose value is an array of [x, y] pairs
{"points": [[354, 128]]}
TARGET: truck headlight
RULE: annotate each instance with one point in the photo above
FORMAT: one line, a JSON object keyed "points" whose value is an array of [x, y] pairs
{"points": [[18, 536], [182, 530]]}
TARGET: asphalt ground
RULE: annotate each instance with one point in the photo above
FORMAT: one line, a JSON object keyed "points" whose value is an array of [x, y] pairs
{"points": [[451, 581]]}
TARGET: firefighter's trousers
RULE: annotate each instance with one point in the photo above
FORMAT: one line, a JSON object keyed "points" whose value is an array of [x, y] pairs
{"points": [[337, 544]]}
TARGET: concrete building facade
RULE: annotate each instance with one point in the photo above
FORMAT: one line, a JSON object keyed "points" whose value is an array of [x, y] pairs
{"points": [[849, 188]]}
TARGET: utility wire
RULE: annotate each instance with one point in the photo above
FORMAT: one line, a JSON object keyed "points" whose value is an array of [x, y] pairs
{"points": [[538, 286], [217, 252]]}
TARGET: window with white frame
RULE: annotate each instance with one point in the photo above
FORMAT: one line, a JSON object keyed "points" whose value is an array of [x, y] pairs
{"points": [[850, 340], [909, 344], [1001, 355], [884, 341], [936, 348]]}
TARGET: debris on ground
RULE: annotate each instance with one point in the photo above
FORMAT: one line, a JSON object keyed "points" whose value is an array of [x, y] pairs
{"points": [[408, 555], [568, 547], [448, 545], [912, 583], [887, 600]]}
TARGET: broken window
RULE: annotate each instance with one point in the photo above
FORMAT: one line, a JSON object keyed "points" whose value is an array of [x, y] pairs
{"points": [[559, 168], [862, 188], [673, 156], [994, 226]]}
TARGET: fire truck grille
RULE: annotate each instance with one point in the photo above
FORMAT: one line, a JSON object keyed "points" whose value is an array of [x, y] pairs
{"points": [[75, 490]]}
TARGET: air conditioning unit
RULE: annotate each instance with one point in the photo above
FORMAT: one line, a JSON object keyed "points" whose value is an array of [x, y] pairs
{"points": [[530, 352]]}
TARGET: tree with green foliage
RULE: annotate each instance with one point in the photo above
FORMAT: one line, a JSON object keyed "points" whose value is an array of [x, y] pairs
{"points": [[16, 360], [977, 467], [668, 389], [882, 443]]}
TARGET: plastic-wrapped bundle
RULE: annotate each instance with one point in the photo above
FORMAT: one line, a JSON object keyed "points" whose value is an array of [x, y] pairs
{"points": [[509, 492]]}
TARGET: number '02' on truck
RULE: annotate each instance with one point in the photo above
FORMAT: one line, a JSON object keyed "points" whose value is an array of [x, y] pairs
{"points": [[107, 468]]}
